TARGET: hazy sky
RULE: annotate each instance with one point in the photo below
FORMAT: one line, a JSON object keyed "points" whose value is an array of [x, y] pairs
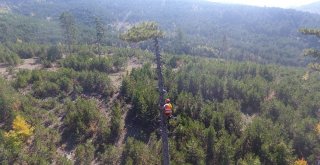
{"points": [[269, 3]]}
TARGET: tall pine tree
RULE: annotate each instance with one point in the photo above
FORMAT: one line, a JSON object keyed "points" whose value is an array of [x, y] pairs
{"points": [[315, 65], [141, 32], [99, 34], [67, 24]]}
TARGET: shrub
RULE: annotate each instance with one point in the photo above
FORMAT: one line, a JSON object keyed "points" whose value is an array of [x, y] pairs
{"points": [[20, 132], [45, 89], [84, 153], [9, 57], [23, 78], [26, 53], [95, 82], [9, 102], [115, 122], [82, 119], [54, 54]]}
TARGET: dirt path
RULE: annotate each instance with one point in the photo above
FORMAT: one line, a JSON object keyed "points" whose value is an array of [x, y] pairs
{"points": [[31, 64], [116, 78], [124, 130], [116, 81]]}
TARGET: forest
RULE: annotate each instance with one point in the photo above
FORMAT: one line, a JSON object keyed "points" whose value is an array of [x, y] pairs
{"points": [[241, 89], [200, 28]]}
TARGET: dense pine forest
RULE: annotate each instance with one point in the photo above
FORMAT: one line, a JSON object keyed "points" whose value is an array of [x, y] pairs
{"points": [[74, 91]]}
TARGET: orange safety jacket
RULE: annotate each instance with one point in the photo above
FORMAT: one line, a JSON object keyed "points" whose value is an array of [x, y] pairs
{"points": [[168, 109]]}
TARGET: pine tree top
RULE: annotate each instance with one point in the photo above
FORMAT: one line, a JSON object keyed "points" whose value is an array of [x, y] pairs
{"points": [[142, 32]]}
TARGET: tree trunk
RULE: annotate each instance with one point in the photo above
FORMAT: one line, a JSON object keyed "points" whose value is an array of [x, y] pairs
{"points": [[163, 124]]}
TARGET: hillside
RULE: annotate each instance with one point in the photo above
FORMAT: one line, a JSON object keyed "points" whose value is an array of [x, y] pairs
{"points": [[227, 112], [264, 35], [94, 99]]}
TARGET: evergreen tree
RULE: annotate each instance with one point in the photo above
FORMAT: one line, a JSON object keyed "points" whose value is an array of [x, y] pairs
{"points": [[67, 23], [4, 30], [315, 65], [99, 34], [210, 143], [115, 122], [142, 32]]}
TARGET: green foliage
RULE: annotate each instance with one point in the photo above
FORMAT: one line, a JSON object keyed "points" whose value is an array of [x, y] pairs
{"points": [[15, 27], [44, 146], [64, 81], [227, 112], [84, 153], [23, 78], [67, 23], [266, 140], [99, 33], [195, 154], [45, 89], [64, 161], [87, 60], [210, 146], [54, 53], [95, 82], [312, 52], [82, 119], [264, 35], [8, 151], [9, 102], [248, 112], [116, 125], [136, 152], [140, 89], [245, 82], [110, 156], [250, 160], [27, 50], [142, 32], [8, 57], [80, 63]]}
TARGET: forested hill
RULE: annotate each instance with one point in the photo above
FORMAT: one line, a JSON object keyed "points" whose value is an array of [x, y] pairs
{"points": [[264, 35], [70, 95]]}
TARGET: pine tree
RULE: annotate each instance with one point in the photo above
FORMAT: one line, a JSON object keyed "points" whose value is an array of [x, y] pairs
{"points": [[315, 65], [99, 34], [4, 30], [115, 122], [141, 32], [67, 23], [210, 143]]}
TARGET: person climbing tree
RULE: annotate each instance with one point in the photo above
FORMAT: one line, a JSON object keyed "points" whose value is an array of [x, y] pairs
{"points": [[168, 109]]}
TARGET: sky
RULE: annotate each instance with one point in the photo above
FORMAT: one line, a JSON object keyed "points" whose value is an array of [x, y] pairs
{"points": [[269, 3]]}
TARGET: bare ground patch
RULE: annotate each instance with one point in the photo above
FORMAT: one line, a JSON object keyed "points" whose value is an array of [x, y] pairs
{"points": [[116, 78], [271, 95], [30, 64]]}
